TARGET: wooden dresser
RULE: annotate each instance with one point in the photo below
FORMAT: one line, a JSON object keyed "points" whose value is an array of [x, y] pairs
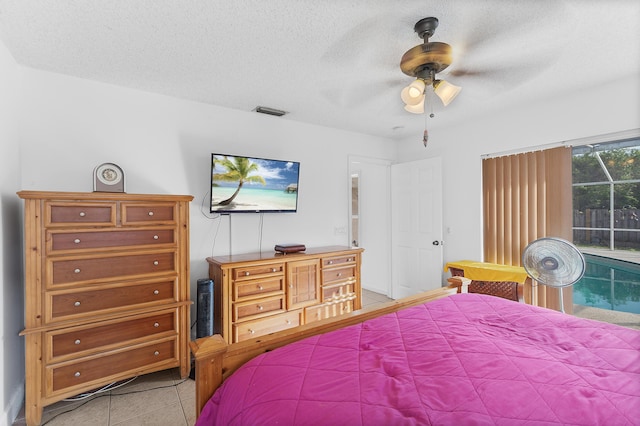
{"points": [[107, 290], [260, 293]]}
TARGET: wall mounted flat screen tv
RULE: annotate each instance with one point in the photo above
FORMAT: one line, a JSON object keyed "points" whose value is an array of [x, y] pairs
{"points": [[253, 185]]}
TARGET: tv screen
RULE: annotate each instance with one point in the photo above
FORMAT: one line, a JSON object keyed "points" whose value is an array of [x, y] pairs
{"points": [[253, 185]]}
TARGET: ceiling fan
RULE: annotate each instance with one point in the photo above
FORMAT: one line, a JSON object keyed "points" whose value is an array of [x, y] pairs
{"points": [[424, 61]]}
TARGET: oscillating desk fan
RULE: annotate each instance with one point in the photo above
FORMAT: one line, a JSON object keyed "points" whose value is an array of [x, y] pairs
{"points": [[553, 262]]}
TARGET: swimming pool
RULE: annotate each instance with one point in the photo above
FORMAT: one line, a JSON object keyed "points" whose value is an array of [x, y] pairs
{"points": [[609, 284]]}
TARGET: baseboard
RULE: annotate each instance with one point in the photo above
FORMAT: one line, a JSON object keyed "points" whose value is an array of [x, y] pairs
{"points": [[13, 408]]}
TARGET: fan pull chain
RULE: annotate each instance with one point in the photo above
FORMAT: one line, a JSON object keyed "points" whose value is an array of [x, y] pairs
{"points": [[425, 135]]}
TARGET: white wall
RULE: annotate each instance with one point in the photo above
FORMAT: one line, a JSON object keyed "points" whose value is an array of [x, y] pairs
{"points": [[11, 290], [164, 146], [599, 109]]}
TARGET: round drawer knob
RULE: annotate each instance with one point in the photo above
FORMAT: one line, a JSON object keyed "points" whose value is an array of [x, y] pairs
{"points": [[274, 270], [156, 263], [77, 374], [331, 262], [260, 288], [155, 237], [246, 274], [339, 274], [150, 213], [251, 331], [76, 241], [288, 322], [82, 214], [76, 304], [77, 342], [156, 325], [156, 292], [290, 285], [156, 353], [260, 307], [76, 271]]}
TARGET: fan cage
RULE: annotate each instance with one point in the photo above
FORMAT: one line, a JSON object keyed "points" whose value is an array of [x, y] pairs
{"points": [[553, 262]]}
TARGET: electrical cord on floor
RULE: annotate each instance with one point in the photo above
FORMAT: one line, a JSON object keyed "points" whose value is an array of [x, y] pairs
{"points": [[98, 394], [110, 386]]}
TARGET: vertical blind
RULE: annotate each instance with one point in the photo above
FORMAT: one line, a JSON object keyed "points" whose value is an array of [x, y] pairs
{"points": [[525, 197]]}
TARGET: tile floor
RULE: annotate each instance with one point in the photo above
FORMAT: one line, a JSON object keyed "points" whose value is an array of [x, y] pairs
{"points": [[163, 398], [155, 399], [369, 298]]}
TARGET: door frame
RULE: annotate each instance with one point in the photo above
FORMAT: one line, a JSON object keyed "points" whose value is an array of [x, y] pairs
{"points": [[369, 206]]}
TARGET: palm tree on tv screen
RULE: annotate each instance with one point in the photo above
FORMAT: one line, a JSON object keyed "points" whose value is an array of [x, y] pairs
{"points": [[238, 170]]}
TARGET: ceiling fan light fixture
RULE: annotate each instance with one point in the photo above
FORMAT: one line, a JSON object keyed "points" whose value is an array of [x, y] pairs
{"points": [[411, 96], [416, 109], [446, 91], [416, 88]]}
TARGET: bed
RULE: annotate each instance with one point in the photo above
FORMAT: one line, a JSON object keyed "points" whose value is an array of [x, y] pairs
{"points": [[456, 359]]}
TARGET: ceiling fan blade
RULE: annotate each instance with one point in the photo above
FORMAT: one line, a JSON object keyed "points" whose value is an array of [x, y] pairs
{"points": [[369, 43], [507, 64], [497, 78], [476, 26], [501, 71], [358, 62], [361, 94]]}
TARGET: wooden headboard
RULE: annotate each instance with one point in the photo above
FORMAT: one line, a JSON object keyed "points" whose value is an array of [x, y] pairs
{"points": [[215, 359]]}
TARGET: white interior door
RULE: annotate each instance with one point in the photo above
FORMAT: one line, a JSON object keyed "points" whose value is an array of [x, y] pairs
{"points": [[416, 200], [370, 225]]}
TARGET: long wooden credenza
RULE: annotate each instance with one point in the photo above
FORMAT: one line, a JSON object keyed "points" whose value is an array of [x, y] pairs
{"points": [[260, 293]]}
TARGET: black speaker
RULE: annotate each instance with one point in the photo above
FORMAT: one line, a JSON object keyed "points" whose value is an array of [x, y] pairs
{"points": [[204, 323]]}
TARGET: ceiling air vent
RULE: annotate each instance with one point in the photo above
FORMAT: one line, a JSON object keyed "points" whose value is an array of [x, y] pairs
{"points": [[270, 111]]}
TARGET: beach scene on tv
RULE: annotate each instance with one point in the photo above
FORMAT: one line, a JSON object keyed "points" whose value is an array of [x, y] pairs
{"points": [[245, 184]]}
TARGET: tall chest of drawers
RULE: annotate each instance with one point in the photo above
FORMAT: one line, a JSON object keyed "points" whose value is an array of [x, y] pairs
{"points": [[106, 290], [261, 293]]}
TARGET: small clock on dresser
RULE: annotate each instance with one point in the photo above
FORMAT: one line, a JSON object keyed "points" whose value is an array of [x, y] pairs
{"points": [[108, 177]]}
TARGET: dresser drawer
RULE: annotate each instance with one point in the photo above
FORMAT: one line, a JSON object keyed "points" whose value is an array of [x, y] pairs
{"points": [[338, 274], [338, 291], [258, 288], [76, 373], [89, 339], [74, 214], [79, 240], [338, 260], [256, 308], [257, 271], [78, 270], [137, 214], [251, 329], [327, 310], [68, 304]]}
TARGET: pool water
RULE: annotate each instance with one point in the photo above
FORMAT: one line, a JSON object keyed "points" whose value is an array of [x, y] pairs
{"points": [[609, 284]]}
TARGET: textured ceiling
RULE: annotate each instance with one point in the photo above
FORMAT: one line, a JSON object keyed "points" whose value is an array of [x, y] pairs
{"points": [[332, 63]]}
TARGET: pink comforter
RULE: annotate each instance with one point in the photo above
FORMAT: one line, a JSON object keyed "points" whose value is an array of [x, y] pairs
{"points": [[465, 359]]}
